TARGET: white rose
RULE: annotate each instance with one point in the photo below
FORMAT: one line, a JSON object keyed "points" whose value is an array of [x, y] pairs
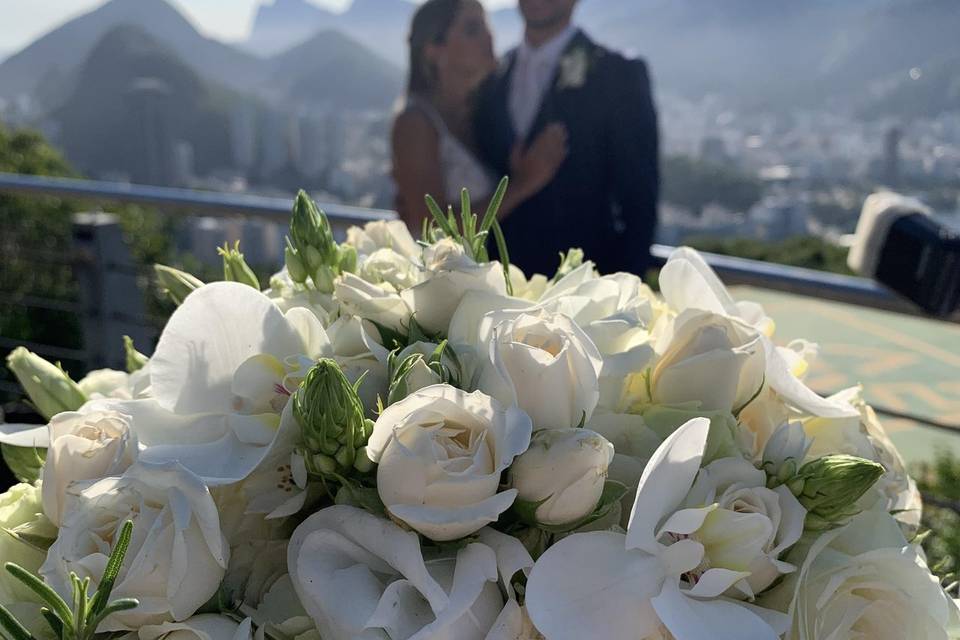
{"points": [[449, 275], [441, 452], [372, 302], [386, 265], [543, 363], [20, 513], [84, 446], [767, 522], [384, 234], [206, 626], [708, 358], [688, 282], [863, 581], [360, 576], [177, 555], [566, 470], [865, 437]]}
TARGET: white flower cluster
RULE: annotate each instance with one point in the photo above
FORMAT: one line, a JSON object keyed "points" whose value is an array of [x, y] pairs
{"points": [[385, 455]]}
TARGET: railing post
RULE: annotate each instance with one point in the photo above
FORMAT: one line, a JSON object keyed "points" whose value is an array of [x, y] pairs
{"points": [[113, 305]]}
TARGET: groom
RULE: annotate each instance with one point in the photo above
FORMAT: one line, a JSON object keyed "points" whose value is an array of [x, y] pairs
{"points": [[603, 199]]}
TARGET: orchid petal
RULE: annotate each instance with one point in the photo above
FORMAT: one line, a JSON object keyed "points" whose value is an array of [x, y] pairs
{"points": [[588, 583], [217, 328], [691, 619], [24, 435], [688, 282], [782, 380], [665, 482], [714, 582]]}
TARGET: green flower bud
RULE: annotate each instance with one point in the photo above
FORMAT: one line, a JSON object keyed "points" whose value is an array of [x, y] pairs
{"points": [[348, 258], [829, 487], [48, 386], [569, 261], [175, 283], [135, 359], [309, 227], [295, 266], [323, 279], [331, 418], [235, 268], [363, 463]]}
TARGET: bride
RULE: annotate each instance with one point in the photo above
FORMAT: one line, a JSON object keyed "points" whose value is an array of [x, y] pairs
{"points": [[451, 53]]}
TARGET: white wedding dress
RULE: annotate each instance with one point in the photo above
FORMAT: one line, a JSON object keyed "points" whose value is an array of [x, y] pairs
{"points": [[461, 168]]}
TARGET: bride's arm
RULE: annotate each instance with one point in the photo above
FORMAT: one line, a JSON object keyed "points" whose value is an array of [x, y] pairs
{"points": [[416, 167]]}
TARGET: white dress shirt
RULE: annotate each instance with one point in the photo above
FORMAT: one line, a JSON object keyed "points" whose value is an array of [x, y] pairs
{"points": [[533, 71]]}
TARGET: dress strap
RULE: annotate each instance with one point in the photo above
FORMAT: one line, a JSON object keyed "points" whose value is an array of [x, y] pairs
{"points": [[427, 109]]}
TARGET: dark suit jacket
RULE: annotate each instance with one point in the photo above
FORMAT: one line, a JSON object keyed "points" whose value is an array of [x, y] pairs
{"points": [[604, 197]]}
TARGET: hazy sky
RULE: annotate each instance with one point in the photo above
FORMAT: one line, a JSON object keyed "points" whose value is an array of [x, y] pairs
{"points": [[24, 20]]}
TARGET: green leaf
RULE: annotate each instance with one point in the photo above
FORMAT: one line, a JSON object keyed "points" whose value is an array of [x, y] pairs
{"points": [[45, 593], [366, 498], [526, 510], [26, 463], [123, 604], [23, 535], [439, 217], [504, 255], [55, 623], [12, 626], [495, 203], [102, 596]]}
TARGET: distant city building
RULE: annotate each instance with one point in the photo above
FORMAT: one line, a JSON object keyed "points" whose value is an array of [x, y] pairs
{"points": [[150, 100]]}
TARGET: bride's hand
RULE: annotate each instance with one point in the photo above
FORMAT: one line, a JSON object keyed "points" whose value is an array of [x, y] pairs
{"points": [[533, 168]]}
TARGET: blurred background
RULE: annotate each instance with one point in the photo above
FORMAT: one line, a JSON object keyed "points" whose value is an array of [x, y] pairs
{"points": [[777, 120]]}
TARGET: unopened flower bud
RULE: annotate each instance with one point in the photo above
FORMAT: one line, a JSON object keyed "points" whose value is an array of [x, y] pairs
{"points": [[330, 415], [363, 463], [295, 267], [175, 283], [569, 261], [564, 470], [309, 229], [829, 487], [135, 359], [235, 268], [784, 453], [348, 258], [48, 386]]}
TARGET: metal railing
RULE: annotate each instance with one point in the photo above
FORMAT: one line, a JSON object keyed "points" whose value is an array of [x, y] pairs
{"points": [[106, 275]]}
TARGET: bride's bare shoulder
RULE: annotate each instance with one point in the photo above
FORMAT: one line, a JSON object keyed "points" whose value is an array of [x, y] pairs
{"points": [[412, 125]]}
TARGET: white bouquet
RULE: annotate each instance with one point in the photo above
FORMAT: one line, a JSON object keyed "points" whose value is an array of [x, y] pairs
{"points": [[403, 439]]}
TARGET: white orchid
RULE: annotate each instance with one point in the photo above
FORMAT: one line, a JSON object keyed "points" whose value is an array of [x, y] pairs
{"points": [[659, 574], [222, 373]]}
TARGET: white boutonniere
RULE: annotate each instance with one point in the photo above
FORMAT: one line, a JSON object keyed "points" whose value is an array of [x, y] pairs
{"points": [[574, 66]]}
